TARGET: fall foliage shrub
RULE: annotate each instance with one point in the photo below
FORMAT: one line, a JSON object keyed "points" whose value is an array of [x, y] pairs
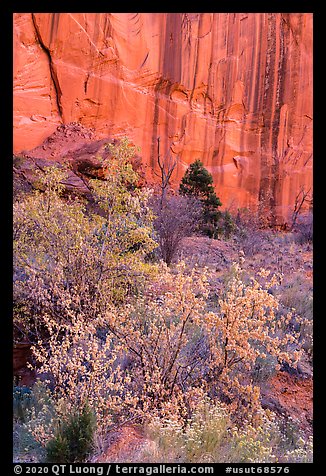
{"points": [[85, 364], [245, 329], [118, 338], [82, 360], [68, 261], [148, 356]]}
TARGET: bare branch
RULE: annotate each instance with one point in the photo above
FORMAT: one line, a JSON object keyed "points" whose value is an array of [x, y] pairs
{"points": [[167, 166], [300, 199]]}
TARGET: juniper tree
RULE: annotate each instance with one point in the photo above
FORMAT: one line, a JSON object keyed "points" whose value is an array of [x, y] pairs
{"points": [[198, 183]]}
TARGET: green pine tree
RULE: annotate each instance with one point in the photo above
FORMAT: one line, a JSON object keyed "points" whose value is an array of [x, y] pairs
{"points": [[73, 440], [197, 182]]}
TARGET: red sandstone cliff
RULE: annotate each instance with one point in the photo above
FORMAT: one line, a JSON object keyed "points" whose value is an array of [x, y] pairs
{"points": [[234, 90]]}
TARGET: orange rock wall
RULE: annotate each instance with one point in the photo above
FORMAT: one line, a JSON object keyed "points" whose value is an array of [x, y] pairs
{"points": [[234, 90]]}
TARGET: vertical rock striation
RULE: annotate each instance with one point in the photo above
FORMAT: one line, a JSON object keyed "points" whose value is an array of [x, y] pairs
{"points": [[234, 90]]}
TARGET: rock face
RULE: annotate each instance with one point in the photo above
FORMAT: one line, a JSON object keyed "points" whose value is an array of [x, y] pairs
{"points": [[234, 90], [22, 355], [74, 148]]}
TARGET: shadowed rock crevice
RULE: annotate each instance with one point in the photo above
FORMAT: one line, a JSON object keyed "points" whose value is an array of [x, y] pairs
{"points": [[56, 84]]}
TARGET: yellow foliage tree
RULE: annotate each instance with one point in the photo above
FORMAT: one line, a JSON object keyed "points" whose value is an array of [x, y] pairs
{"points": [[69, 260]]}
